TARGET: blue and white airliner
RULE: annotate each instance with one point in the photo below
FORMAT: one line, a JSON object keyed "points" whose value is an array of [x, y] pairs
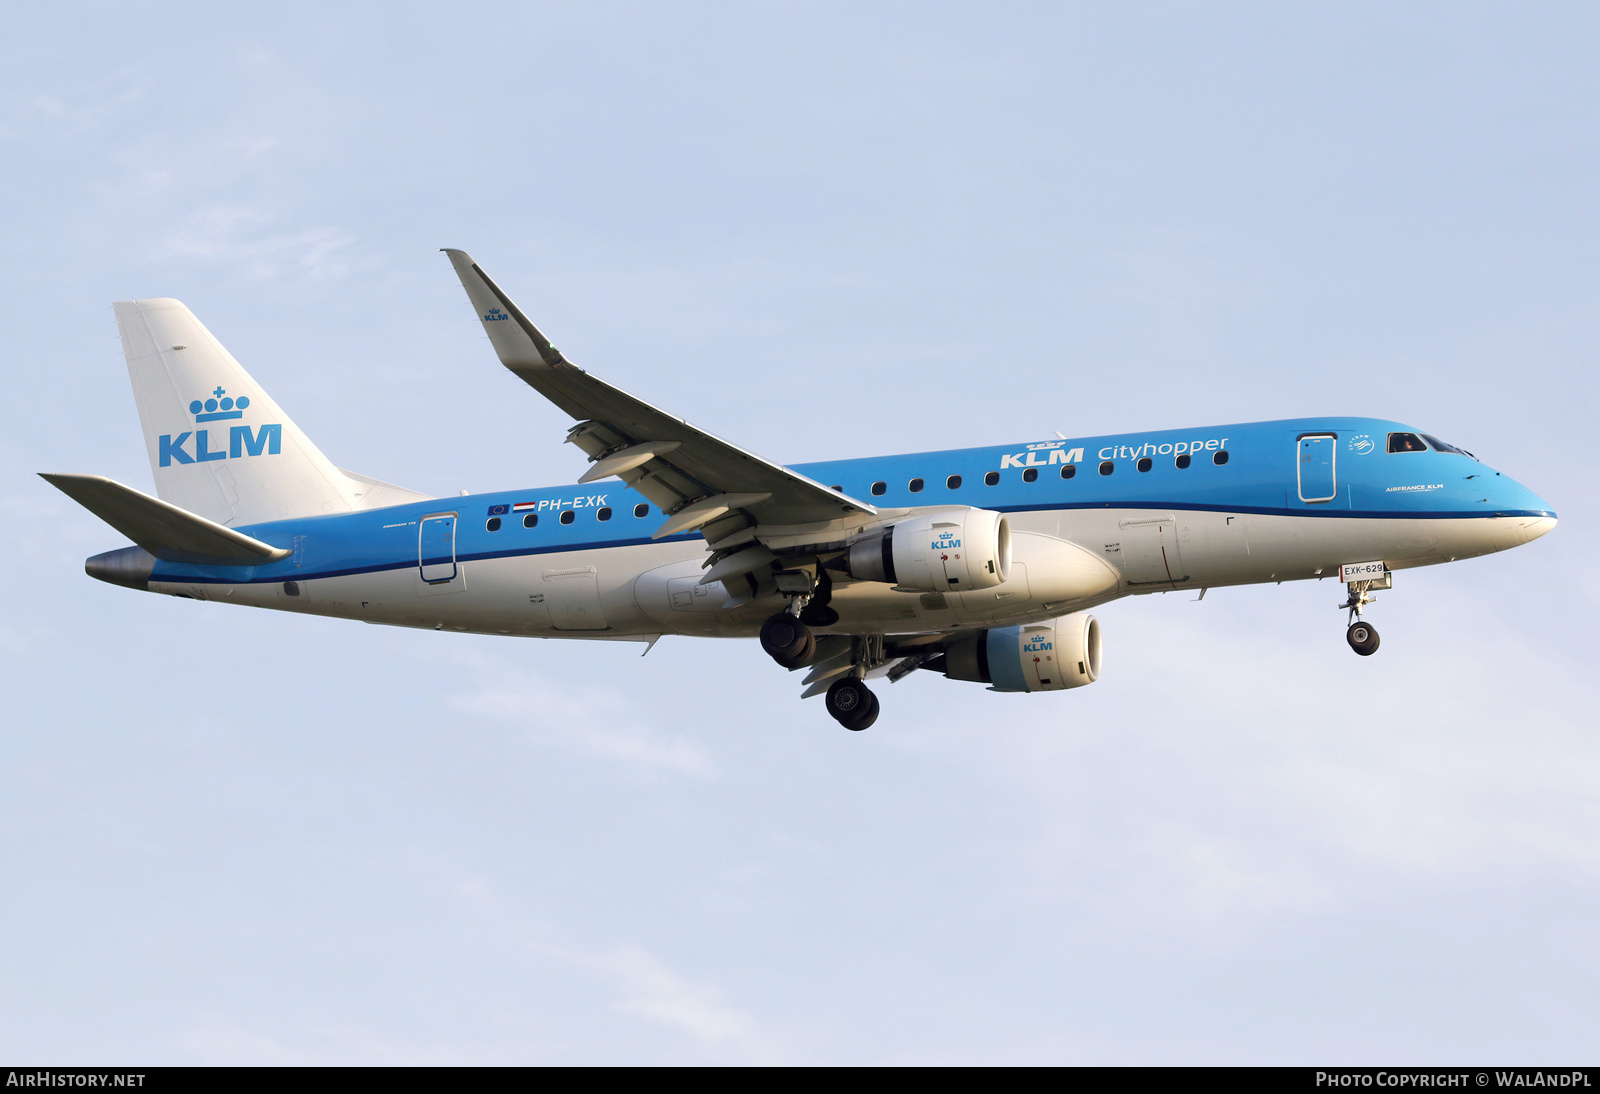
{"points": [[977, 563]]}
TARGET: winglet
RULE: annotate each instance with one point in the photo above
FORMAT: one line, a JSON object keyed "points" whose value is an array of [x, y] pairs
{"points": [[660, 455], [519, 343]]}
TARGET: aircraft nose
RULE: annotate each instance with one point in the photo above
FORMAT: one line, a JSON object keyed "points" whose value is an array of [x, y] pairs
{"points": [[1534, 527]]}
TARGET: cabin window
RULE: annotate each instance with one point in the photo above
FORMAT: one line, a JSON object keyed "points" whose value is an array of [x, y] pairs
{"points": [[915, 486], [531, 520], [1030, 475], [1220, 458], [641, 510], [291, 588], [492, 524], [1069, 470], [1107, 467], [992, 479], [1182, 461], [953, 482], [604, 513], [1406, 442], [878, 488], [568, 516], [1145, 464]]}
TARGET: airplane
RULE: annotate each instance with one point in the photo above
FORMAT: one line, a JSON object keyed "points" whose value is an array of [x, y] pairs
{"points": [[980, 564]]}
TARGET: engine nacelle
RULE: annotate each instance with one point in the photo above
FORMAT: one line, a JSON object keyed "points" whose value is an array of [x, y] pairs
{"points": [[953, 551], [1063, 653]]}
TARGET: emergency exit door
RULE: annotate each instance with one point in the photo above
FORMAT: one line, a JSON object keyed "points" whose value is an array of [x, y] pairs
{"points": [[1317, 482]]}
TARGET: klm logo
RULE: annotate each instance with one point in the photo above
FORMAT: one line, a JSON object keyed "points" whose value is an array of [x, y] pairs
{"points": [[1042, 455], [946, 543], [242, 440], [1038, 645], [219, 407], [495, 313]]}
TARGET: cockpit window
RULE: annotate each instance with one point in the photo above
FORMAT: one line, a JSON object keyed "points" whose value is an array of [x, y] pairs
{"points": [[1440, 446], [1406, 442]]}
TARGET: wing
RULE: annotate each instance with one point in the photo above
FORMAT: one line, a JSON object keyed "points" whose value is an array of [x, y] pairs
{"points": [[698, 480]]}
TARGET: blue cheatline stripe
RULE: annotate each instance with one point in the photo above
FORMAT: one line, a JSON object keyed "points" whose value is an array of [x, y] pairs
{"points": [[564, 548]]}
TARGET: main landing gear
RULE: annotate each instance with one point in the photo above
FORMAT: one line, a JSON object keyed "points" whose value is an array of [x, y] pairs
{"points": [[852, 703], [788, 640], [1362, 636], [791, 644]]}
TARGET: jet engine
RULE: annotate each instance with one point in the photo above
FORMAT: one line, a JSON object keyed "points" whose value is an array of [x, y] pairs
{"points": [[951, 551], [1063, 653]]}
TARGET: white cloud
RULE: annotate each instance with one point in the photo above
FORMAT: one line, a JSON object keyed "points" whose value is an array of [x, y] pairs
{"points": [[62, 115], [584, 718], [239, 236], [654, 992]]}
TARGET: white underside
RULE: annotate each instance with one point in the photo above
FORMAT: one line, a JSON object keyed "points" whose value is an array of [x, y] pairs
{"points": [[1065, 561]]}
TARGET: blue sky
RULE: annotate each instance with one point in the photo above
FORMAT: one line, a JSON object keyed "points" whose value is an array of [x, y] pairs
{"points": [[819, 231]]}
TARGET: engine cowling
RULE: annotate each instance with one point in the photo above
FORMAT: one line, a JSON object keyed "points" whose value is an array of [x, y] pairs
{"points": [[953, 551], [1063, 653]]}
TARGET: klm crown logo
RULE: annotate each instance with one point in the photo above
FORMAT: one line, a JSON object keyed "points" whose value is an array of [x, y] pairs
{"points": [[495, 313], [242, 440], [219, 408]]}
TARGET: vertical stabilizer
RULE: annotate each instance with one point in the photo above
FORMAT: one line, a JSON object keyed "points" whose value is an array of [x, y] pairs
{"points": [[219, 446]]}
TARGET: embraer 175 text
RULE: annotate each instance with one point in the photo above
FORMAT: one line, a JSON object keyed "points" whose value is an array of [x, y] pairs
{"points": [[978, 563]]}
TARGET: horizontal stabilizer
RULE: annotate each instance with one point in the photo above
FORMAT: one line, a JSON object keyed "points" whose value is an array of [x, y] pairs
{"points": [[164, 530]]}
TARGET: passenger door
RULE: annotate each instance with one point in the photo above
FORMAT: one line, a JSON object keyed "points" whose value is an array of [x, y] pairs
{"points": [[1316, 467]]}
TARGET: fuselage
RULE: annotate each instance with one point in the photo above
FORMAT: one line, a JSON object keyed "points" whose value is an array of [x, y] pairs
{"points": [[1095, 518]]}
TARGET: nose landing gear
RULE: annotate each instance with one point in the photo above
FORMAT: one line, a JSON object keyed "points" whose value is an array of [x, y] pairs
{"points": [[1363, 636]]}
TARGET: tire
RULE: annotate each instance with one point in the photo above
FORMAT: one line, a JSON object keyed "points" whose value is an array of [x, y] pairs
{"points": [[786, 640], [866, 717], [851, 703], [1363, 638], [807, 652]]}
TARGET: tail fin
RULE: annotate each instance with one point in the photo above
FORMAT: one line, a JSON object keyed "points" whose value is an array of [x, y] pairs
{"points": [[219, 446]]}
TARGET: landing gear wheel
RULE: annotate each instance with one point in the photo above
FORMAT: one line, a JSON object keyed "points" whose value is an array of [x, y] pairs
{"points": [[787, 640], [852, 703], [867, 718], [1363, 638]]}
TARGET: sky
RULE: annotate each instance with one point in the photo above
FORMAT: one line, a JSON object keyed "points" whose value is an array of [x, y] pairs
{"points": [[819, 231]]}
